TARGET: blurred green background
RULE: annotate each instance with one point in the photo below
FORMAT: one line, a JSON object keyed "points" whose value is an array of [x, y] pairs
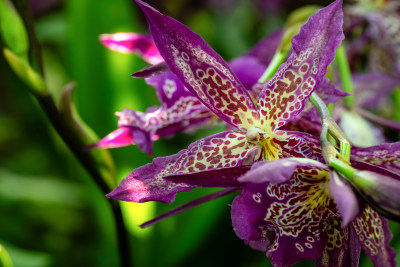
{"points": [[52, 214]]}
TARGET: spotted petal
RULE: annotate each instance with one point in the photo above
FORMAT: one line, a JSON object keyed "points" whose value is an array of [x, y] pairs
{"points": [[180, 112], [226, 149], [201, 69], [385, 155], [374, 234], [313, 50], [292, 216], [129, 42]]}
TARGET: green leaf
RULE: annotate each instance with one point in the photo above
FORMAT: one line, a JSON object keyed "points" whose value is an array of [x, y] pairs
{"points": [[5, 260], [12, 30], [25, 72]]}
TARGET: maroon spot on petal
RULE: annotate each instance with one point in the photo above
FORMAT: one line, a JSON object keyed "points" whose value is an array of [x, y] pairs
{"points": [[200, 166]]}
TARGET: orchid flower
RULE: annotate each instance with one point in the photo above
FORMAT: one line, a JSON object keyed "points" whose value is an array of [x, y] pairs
{"points": [[257, 135], [297, 209], [180, 110]]}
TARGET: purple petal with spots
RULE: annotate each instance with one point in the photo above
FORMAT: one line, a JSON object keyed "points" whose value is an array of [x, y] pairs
{"points": [[127, 42], [248, 70], [201, 69], [147, 183], [345, 199], [313, 50], [385, 155], [170, 89], [309, 120], [343, 248], [180, 111], [374, 234], [298, 211], [266, 48], [372, 89], [278, 171], [151, 70], [226, 177]]}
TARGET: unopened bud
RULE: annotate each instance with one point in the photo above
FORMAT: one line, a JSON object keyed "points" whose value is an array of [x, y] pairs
{"points": [[380, 191]]}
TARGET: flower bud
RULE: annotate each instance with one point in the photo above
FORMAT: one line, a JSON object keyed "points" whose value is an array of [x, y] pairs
{"points": [[380, 191]]}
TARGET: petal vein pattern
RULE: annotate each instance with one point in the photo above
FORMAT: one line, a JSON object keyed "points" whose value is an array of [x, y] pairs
{"points": [[147, 183], [201, 69], [313, 50]]}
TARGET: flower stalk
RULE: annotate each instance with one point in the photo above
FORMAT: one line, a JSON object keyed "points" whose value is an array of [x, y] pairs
{"points": [[66, 130], [345, 75]]}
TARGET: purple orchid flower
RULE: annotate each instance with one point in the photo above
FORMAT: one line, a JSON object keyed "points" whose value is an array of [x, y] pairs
{"points": [[258, 135], [180, 110], [297, 210]]}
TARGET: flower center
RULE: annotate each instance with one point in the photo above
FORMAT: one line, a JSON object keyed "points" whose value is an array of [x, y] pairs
{"points": [[269, 148]]}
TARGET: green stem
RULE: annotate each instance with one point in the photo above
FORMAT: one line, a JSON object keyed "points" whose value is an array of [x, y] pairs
{"points": [[273, 66], [330, 129], [74, 142], [396, 100], [320, 105], [345, 75], [343, 168]]}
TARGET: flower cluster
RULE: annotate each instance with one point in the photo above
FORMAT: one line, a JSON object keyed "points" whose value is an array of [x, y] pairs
{"points": [[300, 198]]}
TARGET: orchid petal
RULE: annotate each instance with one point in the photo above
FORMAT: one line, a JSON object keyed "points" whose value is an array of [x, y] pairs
{"points": [[385, 155], [247, 220], [126, 42], [278, 171], [118, 138], [294, 216], [300, 145], [329, 92], [374, 234], [201, 69], [345, 199], [151, 70], [372, 89], [313, 50], [248, 70], [265, 49], [343, 247], [170, 89], [223, 150], [180, 112], [381, 192], [309, 120], [226, 177]]}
